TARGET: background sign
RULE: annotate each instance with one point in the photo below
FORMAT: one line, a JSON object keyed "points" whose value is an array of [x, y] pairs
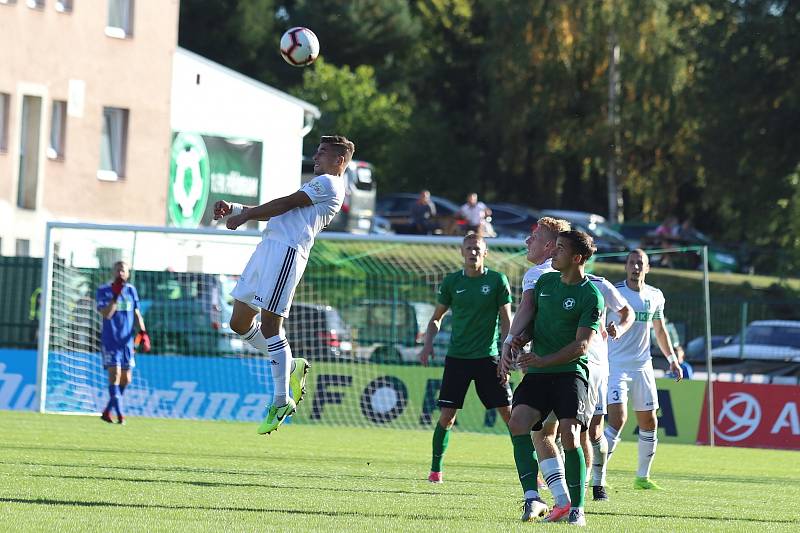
{"points": [[754, 415], [204, 169]]}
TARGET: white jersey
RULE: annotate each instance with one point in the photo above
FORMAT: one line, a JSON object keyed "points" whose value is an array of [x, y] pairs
{"points": [[632, 350], [598, 347], [474, 213], [534, 273], [298, 227]]}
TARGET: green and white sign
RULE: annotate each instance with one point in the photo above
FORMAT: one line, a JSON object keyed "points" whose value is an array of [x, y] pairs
{"points": [[206, 168]]}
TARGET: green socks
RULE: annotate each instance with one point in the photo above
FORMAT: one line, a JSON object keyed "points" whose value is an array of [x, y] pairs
{"points": [[441, 437], [575, 473], [525, 458]]}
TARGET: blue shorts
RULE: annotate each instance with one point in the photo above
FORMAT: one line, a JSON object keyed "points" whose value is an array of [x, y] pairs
{"points": [[121, 357]]}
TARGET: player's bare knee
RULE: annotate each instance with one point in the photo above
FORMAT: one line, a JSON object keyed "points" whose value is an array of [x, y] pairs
{"points": [[505, 413], [447, 418], [271, 324], [570, 435], [647, 420]]}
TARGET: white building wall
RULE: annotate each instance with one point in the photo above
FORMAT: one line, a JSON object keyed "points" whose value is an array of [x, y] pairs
{"points": [[209, 98]]}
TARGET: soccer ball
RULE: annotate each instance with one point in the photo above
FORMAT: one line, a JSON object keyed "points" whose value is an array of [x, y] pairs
{"points": [[299, 46]]}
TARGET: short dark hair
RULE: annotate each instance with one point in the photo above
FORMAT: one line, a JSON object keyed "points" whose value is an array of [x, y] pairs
{"points": [[582, 243], [345, 147], [473, 236]]}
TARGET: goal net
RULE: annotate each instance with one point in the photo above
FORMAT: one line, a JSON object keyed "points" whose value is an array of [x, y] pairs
{"points": [[358, 316]]}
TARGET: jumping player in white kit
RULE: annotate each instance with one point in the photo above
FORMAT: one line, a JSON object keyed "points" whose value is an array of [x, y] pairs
{"points": [[631, 367], [270, 278]]}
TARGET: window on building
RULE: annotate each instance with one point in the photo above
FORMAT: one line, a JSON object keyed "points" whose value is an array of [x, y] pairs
{"points": [[113, 143], [120, 19], [64, 6], [23, 248], [5, 100], [58, 130], [35, 4]]}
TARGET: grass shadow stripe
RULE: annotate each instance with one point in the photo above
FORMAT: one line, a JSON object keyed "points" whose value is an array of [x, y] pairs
{"points": [[222, 484], [303, 512], [692, 517]]}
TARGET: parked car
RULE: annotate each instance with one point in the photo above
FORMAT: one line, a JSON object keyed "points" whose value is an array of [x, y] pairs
{"points": [[512, 220], [643, 235], [360, 192], [396, 208], [605, 238], [318, 333], [696, 348], [187, 313], [392, 331], [771, 340]]}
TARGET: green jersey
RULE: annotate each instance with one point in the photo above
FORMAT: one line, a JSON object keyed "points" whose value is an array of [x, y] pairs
{"points": [[560, 310], [475, 303]]}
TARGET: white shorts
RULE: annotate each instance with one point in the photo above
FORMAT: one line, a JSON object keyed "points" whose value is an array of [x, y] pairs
{"points": [[270, 278], [598, 390], [642, 384]]}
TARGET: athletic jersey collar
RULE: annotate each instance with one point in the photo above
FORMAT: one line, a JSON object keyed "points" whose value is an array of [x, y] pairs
{"points": [[483, 272]]}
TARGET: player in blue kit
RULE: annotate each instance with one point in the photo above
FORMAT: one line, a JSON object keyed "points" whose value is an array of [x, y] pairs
{"points": [[118, 302]]}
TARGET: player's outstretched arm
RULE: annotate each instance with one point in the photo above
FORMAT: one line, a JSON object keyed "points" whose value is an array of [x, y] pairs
{"points": [[665, 345], [265, 211], [434, 324]]}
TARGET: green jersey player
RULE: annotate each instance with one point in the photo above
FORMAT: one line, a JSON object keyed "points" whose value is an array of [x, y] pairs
{"points": [[479, 298], [567, 314]]}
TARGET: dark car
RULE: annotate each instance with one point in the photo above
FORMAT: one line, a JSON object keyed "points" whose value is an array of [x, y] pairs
{"points": [[643, 235], [696, 348], [397, 209], [186, 313], [392, 331], [607, 240], [513, 221], [318, 333]]}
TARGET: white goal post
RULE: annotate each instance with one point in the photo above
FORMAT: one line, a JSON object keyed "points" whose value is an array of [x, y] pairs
{"points": [[357, 316]]}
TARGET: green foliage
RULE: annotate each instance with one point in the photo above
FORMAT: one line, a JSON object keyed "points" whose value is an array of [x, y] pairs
{"points": [[511, 98], [352, 105]]}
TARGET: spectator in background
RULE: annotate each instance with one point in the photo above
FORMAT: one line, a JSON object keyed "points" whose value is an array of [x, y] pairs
{"points": [[669, 228], [688, 371], [422, 212], [475, 213]]}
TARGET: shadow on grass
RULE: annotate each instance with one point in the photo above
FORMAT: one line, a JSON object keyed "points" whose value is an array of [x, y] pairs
{"points": [[277, 486], [306, 512]]}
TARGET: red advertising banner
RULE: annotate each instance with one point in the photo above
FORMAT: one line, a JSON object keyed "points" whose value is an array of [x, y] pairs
{"points": [[753, 416]]}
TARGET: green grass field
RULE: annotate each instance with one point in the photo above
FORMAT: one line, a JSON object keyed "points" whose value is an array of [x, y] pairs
{"points": [[65, 473]]}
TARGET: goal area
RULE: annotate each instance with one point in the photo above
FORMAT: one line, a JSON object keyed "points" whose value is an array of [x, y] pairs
{"points": [[358, 315]]}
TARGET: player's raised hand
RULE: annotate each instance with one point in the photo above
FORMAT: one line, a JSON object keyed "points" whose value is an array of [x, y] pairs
{"points": [[425, 355], [116, 287], [222, 209]]}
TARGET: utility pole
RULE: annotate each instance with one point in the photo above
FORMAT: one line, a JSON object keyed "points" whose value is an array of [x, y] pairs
{"points": [[615, 206]]}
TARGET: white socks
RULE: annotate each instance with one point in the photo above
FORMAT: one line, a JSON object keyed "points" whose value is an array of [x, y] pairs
{"points": [[648, 441], [599, 452], [280, 355], [612, 439], [553, 474]]}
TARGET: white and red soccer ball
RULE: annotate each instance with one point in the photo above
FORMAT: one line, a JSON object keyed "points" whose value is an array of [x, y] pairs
{"points": [[299, 46]]}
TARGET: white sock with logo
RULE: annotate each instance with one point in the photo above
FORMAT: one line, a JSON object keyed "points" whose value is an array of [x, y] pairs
{"points": [[255, 338], [553, 473], [612, 438], [280, 359], [599, 452], [648, 441]]}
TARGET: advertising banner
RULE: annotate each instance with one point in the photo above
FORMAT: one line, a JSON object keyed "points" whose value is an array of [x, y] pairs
{"points": [[204, 169], [239, 388], [754, 415]]}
